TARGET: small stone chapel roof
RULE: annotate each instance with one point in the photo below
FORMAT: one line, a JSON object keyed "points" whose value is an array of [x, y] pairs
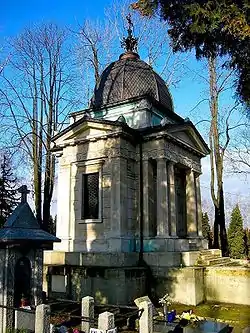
{"points": [[23, 226]]}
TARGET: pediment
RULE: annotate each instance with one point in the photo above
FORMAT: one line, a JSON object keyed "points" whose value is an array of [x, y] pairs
{"points": [[83, 131], [190, 137]]}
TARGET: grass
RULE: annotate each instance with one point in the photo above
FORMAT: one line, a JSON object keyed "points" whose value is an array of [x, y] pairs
{"points": [[235, 315]]}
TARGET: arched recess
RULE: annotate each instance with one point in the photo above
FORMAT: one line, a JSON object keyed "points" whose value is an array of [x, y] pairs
{"points": [[22, 286]]}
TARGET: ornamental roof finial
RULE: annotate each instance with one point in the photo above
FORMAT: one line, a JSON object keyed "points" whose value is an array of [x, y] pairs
{"points": [[130, 42], [24, 191]]}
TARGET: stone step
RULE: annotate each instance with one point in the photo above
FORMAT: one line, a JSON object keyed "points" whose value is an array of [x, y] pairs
{"points": [[211, 251], [213, 262], [209, 256], [219, 261]]}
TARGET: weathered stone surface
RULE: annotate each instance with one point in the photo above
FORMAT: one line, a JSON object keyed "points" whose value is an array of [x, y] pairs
{"points": [[227, 284], [106, 321], [42, 322], [146, 319], [24, 320], [88, 307]]}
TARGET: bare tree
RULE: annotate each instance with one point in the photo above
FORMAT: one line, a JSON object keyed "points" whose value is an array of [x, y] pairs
{"points": [[99, 43], [153, 45], [221, 121], [219, 138], [4, 63], [36, 98], [239, 154]]}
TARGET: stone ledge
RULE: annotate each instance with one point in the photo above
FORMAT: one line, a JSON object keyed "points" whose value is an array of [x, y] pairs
{"points": [[90, 259]]}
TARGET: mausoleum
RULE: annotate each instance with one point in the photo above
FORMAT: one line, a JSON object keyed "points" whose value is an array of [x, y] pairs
{"points": [[128, 179]]}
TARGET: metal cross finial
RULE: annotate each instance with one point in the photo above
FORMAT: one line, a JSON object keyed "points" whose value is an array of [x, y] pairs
{"points": [[24, 191], [129, 43]]}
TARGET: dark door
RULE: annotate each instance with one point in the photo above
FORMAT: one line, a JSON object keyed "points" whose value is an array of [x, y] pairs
{"points": [[22, 281], [181, 211]]}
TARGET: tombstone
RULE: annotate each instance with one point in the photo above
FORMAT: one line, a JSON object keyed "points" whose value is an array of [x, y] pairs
{"points": [[21, 261]]}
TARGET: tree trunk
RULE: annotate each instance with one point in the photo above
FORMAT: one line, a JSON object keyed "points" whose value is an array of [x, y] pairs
{"points": [[222, 224], [216, 228]]}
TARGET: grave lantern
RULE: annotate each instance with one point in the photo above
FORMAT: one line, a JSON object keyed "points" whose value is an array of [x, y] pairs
{"points": [[22, 242]]}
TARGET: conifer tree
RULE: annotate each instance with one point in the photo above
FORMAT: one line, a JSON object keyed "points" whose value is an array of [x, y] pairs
{"points": [[247, 241], [236, 234], [8, 190], [206, 229]]}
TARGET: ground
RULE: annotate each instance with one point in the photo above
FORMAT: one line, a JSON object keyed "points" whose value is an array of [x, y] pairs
{"points": [[235, 315]]}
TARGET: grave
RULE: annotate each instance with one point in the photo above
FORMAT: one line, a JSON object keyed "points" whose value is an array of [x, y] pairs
{"points": [[22, 242], [205, 326]]}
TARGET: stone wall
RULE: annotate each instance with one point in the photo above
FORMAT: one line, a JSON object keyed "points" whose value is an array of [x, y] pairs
{"points": [[227, 284], [187, 285], [184, 285], [106, 285]]}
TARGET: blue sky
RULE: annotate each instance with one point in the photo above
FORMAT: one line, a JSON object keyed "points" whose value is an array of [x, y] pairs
{"points": [[15, 15]]}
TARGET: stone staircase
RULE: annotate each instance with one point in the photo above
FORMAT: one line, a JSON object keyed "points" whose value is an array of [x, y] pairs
{"points": [[211, 257]]}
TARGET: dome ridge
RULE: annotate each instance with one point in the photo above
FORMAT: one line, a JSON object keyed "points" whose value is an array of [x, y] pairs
{"points": [[127, 78]]}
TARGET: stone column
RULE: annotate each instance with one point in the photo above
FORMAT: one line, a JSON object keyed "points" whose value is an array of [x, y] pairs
{"points": [[191, 204], [37, 275], [64, 205], [146, 212], [162, 198], [172, 198], [198, 205], [119, 197], [88, 306]]}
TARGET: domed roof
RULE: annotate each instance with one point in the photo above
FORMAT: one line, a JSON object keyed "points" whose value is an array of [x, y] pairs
{"points": [[127, 78]]}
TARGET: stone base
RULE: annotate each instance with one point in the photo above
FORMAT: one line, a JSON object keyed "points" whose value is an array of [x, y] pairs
{"points": [[159, 244], [116, 277], [116, 259], [130, 244], [184, 285], [109, 278]]}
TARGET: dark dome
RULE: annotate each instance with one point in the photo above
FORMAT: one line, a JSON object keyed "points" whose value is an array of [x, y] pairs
{"points": [[127, 78]]}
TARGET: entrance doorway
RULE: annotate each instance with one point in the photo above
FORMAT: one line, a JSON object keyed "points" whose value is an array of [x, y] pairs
{"points": [[22, 286]]}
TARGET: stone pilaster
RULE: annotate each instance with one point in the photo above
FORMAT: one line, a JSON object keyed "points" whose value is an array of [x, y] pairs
{"points": [[119, 197], [172, 199], [162, 198], [198, 205], [146, 210], [191, 204], [63, 223]]}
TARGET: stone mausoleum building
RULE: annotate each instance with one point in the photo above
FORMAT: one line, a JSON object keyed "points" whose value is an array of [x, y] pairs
{"points": [[128, 187]]}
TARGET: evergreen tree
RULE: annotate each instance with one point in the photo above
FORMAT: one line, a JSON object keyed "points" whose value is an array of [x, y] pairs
{"points": [[236, 234], [8, 190], [206, 229], [247, 241]]}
